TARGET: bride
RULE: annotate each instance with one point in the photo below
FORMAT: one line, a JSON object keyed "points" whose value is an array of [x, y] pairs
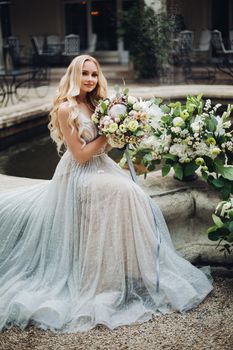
{"points": [[80, 249]]}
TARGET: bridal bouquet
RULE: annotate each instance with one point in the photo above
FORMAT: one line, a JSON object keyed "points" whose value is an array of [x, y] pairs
{"points": [[123, 119], [223, 225]]}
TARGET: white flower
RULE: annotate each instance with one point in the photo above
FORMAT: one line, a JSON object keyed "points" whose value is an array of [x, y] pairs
{"points": [[136, 106], [202, 149], [176, 129], [113, 127], [178, 121], [132, 100], [216, 106], [196, 127], [133, 125], [207, 105], [117, 109], [154, 110], [180, 150], [221, 126]]}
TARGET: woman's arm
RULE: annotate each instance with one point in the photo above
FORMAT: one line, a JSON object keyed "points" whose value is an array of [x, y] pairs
{"points": [[73, 141]]}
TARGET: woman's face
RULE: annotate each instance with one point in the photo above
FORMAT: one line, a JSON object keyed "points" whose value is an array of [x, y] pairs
{"points": [[89, 76]]}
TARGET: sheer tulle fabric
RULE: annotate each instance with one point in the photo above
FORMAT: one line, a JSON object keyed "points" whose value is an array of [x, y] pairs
{"points": [[80, 250]]}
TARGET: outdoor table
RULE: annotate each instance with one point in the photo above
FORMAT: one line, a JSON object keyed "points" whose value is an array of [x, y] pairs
{"points": [[14, 83]]}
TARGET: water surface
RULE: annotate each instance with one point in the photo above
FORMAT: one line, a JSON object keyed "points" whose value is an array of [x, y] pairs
{"points": [[35, 158]]}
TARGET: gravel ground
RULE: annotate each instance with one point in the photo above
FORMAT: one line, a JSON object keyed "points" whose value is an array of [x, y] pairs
{"points": [[207, 327]]}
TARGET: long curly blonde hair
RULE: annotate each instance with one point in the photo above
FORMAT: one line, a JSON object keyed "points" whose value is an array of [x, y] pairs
{"points": [[68, 90]]}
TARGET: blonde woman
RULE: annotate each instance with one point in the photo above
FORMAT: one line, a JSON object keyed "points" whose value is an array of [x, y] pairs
{"points": [[80, 249]]}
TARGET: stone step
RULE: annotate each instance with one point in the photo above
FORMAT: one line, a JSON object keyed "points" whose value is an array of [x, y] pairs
{"points": [[112, 72]]}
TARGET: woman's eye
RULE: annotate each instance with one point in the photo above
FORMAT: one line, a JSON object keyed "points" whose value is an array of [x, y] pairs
{"points": [[94, 75]]}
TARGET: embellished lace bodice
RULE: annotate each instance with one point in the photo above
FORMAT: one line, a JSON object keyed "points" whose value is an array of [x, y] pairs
{"points": [[87, 128], [88, 131]]}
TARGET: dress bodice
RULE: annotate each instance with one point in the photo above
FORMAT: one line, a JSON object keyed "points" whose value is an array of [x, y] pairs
{"points": [[88, 131], [87, 128]]}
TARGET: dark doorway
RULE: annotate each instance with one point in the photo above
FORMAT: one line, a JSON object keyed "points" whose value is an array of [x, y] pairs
{"points": [[5, 19], [76, 21], [104, 23], [220, 18]]}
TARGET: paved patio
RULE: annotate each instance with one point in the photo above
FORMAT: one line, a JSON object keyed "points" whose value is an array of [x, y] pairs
{"points": [[207, 327]]}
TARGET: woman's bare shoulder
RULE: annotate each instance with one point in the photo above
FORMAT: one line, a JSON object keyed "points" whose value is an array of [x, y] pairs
{"points": [[63, 110]]}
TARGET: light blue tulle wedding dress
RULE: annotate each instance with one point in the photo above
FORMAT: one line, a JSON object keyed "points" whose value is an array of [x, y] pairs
{"points": [[80, 250]]}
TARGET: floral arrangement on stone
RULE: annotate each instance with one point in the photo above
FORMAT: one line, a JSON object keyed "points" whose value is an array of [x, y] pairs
{"points": [[123, 119], [223, 225], [183, 136], [188, 137]]}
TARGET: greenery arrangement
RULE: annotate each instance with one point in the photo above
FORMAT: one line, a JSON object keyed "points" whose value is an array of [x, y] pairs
{"points": [[184, 136], [149, 38], [190, 136], [223, 225], [187, 137]]}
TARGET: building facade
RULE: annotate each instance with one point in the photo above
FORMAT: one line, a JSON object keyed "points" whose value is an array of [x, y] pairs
{"points": [[26, 18]]}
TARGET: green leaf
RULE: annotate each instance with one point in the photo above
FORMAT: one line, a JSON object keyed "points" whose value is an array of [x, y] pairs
{"points": [[178, 171], [212, 124], [218, 183], [220, 232], [125, 91], [226, 191], [170, 156], [165, 109], [229, 238], [214, 236], [139, 133], [211, 229], [210, 164], [151, 167], [165, 169], [104, 106], [122, 161], [148, 157], [204, 175], [230, 227], [165, 118], [190, 169], [218, 222], [227, 172]]}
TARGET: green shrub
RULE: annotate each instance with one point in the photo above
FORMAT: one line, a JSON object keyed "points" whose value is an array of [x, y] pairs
{"points": [[148, 37]]}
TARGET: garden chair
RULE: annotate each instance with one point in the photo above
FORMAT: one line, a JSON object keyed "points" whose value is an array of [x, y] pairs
{"points": [[54, 44], [185, 41], [231, 38], [71, 45], [14, 50], [204, 41], [224, 60]]}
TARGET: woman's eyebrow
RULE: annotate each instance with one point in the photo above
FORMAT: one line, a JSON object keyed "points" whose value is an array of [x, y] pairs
{"points": [[86, 71]]}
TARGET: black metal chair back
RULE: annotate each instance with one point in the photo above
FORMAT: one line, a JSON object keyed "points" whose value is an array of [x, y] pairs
{"points": [[217, 42], [14, 49], [185, 40], [72, 45]]}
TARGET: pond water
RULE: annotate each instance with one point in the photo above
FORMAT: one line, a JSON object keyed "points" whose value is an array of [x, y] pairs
{"points": [[35, 158]]}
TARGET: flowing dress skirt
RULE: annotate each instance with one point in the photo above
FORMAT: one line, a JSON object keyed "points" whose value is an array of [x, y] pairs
{"points": [[80, 250]]}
